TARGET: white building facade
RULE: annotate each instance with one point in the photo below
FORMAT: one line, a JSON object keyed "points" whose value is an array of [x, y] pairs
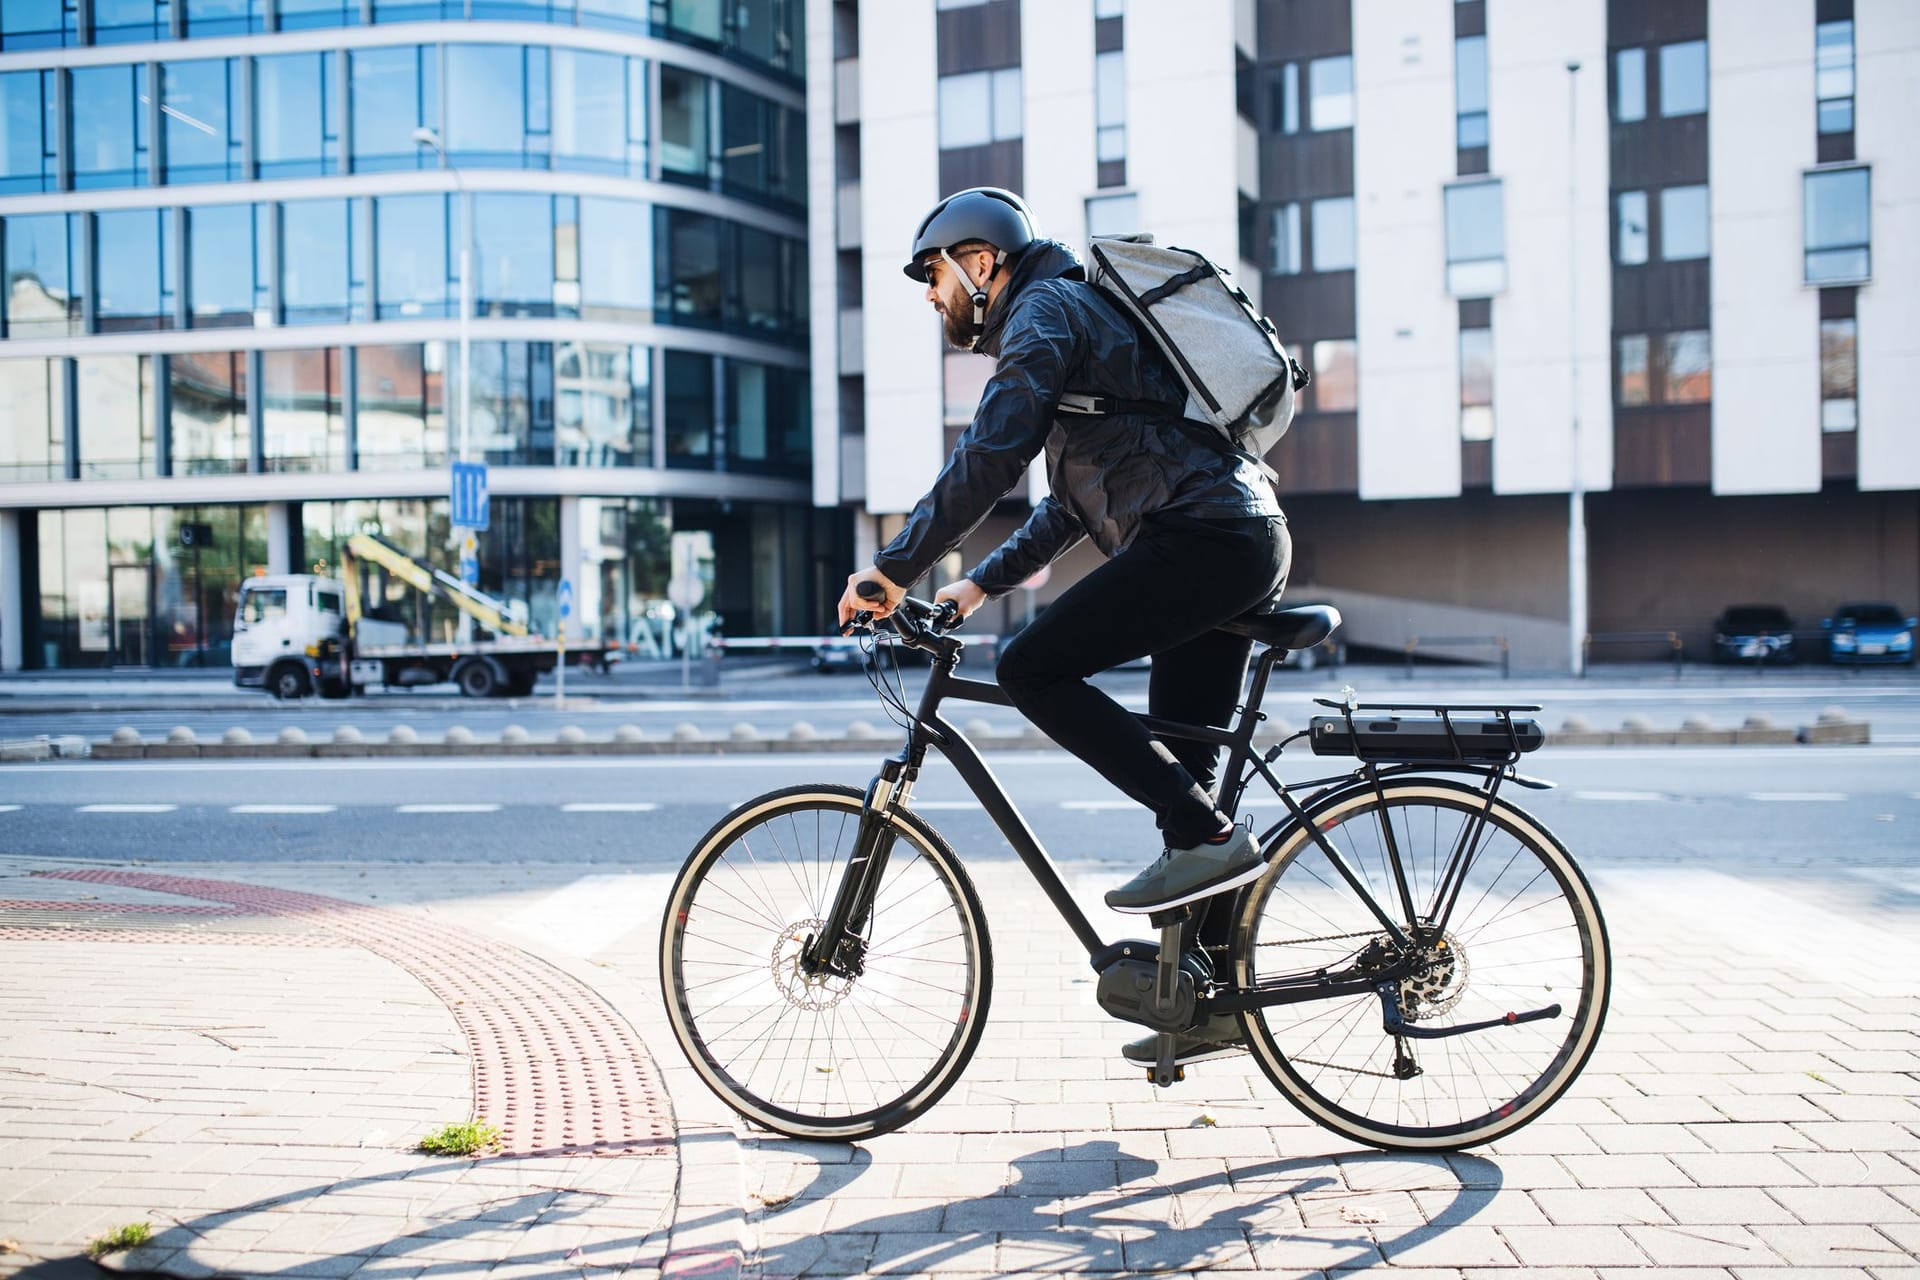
{"points": [[1658, 254]]}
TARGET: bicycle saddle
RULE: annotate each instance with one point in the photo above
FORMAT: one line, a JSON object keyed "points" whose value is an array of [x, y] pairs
{"points": [[1298, 628]]}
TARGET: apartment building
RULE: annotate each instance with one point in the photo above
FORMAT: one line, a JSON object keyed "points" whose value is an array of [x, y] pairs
{"points": [[238, 239], [1608, 303]]}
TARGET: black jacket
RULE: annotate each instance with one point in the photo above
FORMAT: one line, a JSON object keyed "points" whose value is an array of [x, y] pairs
{"points": [[1053, 333]]}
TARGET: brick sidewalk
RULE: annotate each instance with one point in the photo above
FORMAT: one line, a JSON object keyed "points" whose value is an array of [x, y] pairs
{"points": [[1750, 1111]]}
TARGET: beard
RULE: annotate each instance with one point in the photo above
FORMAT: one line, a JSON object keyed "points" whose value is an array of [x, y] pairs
{"points": [[958, 324]]}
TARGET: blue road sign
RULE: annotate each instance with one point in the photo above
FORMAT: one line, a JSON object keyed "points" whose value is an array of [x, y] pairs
{"points": [[566, 597], [470, 495]]}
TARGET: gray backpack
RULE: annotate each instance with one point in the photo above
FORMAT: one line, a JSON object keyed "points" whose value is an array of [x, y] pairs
{"points": [[1240, 381]]}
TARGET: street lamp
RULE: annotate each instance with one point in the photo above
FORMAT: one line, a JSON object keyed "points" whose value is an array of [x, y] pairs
{"points": [[1576, 490]]}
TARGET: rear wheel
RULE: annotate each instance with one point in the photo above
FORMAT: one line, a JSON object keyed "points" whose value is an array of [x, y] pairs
{"points": [[477, 679], [829, 1055], [1524, 933]]}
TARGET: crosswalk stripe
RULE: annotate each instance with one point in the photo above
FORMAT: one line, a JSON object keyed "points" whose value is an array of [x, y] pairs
{"points": [[608, 806], [10, 808], [128, 808], [448, 808], [282, 808]]}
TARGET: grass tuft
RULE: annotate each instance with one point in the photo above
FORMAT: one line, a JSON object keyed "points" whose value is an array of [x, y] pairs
{"points": [[467, 1139], [131, 1236]]}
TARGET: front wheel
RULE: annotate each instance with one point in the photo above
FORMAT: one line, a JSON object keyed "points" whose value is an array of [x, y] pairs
{"points": [[1524, 934], [836, 1056]]}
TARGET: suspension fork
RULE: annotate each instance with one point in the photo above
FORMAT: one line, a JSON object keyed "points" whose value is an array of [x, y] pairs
{"points": [[837, 948]]}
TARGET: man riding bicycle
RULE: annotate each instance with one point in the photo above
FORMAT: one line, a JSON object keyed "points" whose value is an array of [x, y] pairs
{"points": [[1193, 532]]}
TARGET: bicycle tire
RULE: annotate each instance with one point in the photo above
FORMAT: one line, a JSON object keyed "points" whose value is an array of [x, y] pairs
{"points": [[886, 1058], [1334, 1060]]}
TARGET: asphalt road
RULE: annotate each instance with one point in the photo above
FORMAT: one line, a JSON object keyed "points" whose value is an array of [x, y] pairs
{"points": [[772, 698], [1795, 811]]}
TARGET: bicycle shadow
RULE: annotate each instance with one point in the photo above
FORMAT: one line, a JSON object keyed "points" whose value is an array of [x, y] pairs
{"points": [[1092, 1207]]}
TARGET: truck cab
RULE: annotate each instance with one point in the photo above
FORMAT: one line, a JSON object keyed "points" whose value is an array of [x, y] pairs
{"points": [[278, 617]]}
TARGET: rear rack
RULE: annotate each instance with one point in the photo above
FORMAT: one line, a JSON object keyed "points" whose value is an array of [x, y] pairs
{"points": [[1497, 739]]}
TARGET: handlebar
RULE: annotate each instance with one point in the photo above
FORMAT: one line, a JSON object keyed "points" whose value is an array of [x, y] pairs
{"points": [[918, 622]]}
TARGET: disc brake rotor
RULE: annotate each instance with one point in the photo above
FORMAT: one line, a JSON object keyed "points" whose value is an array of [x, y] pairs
{"points": [[803, 990]]}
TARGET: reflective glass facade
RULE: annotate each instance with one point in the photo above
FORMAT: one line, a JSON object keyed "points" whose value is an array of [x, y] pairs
{"points": [[638, 290]]}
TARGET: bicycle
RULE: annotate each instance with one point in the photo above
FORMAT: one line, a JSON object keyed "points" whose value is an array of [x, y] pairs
{"points": [[1421, 966]]}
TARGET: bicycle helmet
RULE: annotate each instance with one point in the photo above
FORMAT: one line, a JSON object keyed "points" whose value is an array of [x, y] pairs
{"points": [[990, 215]]}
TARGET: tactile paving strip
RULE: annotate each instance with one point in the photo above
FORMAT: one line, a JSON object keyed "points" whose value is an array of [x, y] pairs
{"points": [[555, 1067]]}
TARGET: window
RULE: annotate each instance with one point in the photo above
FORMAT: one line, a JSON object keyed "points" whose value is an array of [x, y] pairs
{"points": [[410, 247], [136, 270], [689, 409], [302, 15], [208, 392], [1631, 358], [1833, 75], [1838, 225], [225, 17], [980, 107], [599, 112], [496, 99], [1286, 110], [296, 111], [200, 106], [616, 260], [1683, 78], [1476, 240], [1110, 105], [29, 128], [767, 418], [683, 125], [1283, 241], [110, 144], [128, 21], [1113, 215], [300, 399], [223, 265], [1629, 85], [394, 93], [39, 24], [263, 603], [33, 418], [603, 410], [1333, 234], [43, 294], [316, 249], [762, 147], [1688, 374], [1683, 223], [1476, 384], [1630, 228], [1330, 93], [1336, 385], [399, 395], [1470, 91], [116, 416], [513, 255], [1839, 375]]}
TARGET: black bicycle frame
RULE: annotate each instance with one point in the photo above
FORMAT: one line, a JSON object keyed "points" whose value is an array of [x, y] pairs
{"points": [[929, 729]]}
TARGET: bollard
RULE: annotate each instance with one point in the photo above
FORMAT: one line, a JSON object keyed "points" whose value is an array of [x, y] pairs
{"points": [[744, 732], [458, 736], [515, 733], [573, 733], [292, 736], [402, 735], [862, 731], [180, 736], [237, 737], [686, 731], [801, 731], [346, 735], [629, 733]]}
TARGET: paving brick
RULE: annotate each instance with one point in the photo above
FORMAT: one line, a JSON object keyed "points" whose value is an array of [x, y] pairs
{"points": [[1746, 1169], [1610, 1207], [1176, 1250], [1625, 1171], [1053, 1252], [1850, 1169], [1456, 1246], [1827, 1246], [1574, 1246], [1832, 1205], [1716, 1246]]}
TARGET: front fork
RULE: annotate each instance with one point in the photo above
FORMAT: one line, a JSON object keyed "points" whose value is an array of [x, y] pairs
{"points": [[840, 947]]}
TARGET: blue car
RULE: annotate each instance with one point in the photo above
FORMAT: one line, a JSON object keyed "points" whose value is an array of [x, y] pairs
{"points": [[1869, 632]]}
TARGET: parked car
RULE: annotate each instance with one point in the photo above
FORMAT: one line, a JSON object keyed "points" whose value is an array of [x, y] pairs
{"points": [[1753, 633], [1869, 632]]}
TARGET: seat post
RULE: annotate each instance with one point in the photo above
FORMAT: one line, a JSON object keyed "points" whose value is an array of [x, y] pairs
{"points": [[1270, 657]]}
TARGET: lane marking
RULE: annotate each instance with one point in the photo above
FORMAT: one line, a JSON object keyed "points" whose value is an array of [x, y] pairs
{"points": [[11, 808], [1097, 806], [608, 806], [1796, 795], [127, 808], [282, 808], [1638, 796], [447, 808]]}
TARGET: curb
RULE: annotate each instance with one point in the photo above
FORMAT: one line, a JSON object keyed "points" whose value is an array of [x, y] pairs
{"points": [[1834, 728]]}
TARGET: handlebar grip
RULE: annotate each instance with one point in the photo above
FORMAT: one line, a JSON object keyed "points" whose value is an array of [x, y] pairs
{"points": [[870, 590]]}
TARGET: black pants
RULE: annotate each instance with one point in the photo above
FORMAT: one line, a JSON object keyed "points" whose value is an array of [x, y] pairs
{"points": [[1163, 596]]}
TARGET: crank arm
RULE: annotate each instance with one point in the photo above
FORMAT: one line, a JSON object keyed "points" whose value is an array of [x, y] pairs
{"points": [[1395, 1024]]}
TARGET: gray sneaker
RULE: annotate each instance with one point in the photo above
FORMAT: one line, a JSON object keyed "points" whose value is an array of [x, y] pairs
{"points": [[1217, 1037], [1180, 876]]}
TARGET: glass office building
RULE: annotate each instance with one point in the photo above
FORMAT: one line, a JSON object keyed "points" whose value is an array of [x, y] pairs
{"points": [[232, 234]]}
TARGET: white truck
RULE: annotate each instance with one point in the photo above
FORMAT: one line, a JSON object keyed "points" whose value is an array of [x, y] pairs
{"points": [[299, 634]]}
